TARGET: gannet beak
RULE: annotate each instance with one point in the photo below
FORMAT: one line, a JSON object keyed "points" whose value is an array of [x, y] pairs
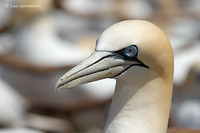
{"points": [[98, 66]]}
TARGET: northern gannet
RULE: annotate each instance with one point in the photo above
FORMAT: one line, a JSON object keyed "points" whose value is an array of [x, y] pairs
{"points": [[139, 56]]}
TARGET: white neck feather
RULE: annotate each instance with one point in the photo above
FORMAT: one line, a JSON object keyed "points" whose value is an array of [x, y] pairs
{"points": [[141, 103]]}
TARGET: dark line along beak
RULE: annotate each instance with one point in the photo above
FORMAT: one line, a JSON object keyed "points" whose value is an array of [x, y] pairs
{"points": [[98, 66]]}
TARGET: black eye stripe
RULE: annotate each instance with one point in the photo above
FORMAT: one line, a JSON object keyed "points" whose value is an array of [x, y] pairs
{"points": [[120, 54]]}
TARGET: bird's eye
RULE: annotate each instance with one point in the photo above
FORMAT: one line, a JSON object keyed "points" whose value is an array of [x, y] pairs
{"points": [[130, 51]]}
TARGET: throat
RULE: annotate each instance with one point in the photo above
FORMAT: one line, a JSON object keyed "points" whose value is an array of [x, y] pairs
{"points": [[143, 108]]}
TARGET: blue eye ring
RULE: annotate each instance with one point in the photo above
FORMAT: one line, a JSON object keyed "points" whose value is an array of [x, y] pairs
{"points": [[130, 51]]}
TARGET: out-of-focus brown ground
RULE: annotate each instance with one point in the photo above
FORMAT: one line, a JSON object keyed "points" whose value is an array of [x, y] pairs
{"points": [[184, 130]]}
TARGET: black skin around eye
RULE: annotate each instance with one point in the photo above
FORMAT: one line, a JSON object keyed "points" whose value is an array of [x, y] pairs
{"points": [[135, 59], [130, 51]]}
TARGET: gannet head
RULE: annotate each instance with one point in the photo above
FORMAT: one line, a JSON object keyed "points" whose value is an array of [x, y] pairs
{"points": [[121, 47]]}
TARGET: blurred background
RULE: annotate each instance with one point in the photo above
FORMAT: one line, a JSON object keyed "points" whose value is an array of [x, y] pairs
{"points": [[42, 39]]}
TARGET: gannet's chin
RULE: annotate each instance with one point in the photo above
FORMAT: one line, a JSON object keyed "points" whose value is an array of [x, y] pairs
{"points": [[100, 65]]}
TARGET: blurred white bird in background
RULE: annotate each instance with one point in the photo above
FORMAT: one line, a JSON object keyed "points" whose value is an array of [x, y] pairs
{"points": [[140, 9], [186, 102], [183, 34], [12, 106], [39, 43]]}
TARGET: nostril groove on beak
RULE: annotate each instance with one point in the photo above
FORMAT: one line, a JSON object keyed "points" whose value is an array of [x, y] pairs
{"points": [[70, 77]]}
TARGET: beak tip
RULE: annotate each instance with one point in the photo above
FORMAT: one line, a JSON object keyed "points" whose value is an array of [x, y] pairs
{"points": [[58, 85], [56, 88]]}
